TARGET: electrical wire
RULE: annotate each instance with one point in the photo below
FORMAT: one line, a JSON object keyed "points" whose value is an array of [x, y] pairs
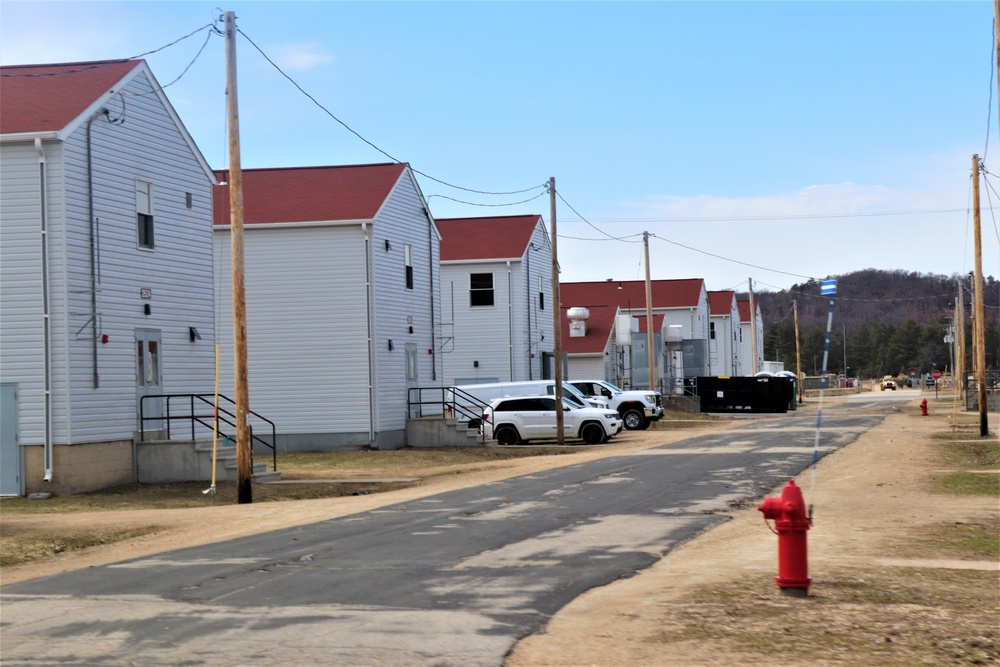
{"points": [[358, 135], [989, 107], [208, 35], [592, 225], [210, 26], [734, 261], [764, 218], [469, 203]]}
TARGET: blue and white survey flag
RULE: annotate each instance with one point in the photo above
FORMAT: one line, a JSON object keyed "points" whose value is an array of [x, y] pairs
{"points": [[828, 287]]}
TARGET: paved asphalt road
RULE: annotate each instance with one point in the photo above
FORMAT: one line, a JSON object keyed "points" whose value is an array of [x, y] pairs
{"points": [[451, 580]]}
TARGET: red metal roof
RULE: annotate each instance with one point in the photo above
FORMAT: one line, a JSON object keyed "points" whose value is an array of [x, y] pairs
{"points": [[721, 302], [744, 307], [604, 298], [599, 326], [683, 293], [492, 237], [47, 98], [309, 194]]}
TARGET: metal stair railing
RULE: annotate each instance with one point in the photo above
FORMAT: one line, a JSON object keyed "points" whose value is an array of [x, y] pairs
{"points": [[450, 400], [226, 416]]}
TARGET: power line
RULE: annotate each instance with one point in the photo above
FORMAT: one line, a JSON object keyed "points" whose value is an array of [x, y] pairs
{"points": [[469, 203], [989, 107], [809, 216], [372, 145], [728, 259], [599, 230], [84, 68]]}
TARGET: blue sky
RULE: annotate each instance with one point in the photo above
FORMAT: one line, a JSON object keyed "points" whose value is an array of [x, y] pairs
{"points": [[774, 141]]}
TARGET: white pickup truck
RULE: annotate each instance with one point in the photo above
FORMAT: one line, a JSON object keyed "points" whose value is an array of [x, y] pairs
{"points": [[637, 408]]}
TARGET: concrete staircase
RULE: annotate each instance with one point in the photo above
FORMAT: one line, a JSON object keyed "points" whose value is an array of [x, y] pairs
{"points": [[441, 431], [161, 461]]}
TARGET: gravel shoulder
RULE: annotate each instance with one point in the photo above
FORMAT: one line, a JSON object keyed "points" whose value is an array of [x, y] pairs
{"points": [[881, 593]]}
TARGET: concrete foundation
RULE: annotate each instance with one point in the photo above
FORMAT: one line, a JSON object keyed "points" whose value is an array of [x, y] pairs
{"points": [[78, 468]]}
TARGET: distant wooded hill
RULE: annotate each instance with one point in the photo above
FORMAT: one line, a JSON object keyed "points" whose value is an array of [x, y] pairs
{"points": [[895, 321]]}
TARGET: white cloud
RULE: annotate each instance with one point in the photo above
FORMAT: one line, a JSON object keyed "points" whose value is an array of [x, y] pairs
{"points": [[819, 230], [300, 57]]}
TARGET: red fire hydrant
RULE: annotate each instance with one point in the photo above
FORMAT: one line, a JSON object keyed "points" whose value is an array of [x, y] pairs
{"points": [[789, 515], [923, 407]]}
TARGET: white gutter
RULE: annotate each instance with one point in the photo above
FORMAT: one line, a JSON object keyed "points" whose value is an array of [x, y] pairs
{"points": [[371, 349], [46, 318], [510, 325]]}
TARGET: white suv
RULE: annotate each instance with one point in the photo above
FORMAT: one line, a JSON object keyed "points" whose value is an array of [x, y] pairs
{"points": [[515, 419], [637, 408]]}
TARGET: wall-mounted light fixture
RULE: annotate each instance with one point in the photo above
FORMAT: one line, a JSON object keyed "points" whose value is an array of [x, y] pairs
{"points": [[147, 309], [391, 346], [411, 329], [193, 334], [475, 364], [388, 246]]}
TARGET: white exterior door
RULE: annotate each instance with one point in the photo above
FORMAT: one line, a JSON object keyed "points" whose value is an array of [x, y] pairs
{"points": [[148, 381]]}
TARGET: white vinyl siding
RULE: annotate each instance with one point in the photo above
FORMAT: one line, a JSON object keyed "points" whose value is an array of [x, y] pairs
{"points": [[22, 358], [307, 347], [501, 338], [402, 220], [149, 146], [481, 337]]}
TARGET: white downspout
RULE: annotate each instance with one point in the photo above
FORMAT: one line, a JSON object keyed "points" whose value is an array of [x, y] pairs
{"points": [[368, 321], [46, 315], [510, 325]]}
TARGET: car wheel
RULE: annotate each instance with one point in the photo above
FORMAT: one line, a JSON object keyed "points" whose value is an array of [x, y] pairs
{"points": [[645, 424], [592, 434], [634, 419], [507, 436]]}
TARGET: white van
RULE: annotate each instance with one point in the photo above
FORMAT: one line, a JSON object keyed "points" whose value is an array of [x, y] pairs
{"points": [[464, 396]]}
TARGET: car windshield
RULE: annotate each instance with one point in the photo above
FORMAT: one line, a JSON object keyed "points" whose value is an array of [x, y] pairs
{"points": [[570, 398], [613, 387]]}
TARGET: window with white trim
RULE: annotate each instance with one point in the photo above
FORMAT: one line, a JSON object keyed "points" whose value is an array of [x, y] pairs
{"points": [[408, 261], [481, 290], [144, 214]]}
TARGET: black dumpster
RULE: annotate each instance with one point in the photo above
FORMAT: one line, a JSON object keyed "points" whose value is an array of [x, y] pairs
{"points": [[746, 394]]}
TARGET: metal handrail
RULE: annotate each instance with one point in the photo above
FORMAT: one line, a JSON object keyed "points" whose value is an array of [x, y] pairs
{"points": [[207, 420], [451, 400]]}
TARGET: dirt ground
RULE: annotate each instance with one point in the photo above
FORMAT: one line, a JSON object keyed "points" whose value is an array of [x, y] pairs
{"points": [[878, 596]]}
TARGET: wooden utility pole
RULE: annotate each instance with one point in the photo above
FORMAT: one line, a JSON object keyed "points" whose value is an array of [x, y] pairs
{"points": [[798, 352], [980, 329], [753, 328], [650, 356], [244, 456], [556, 316], [996, 37], [960, 337]]}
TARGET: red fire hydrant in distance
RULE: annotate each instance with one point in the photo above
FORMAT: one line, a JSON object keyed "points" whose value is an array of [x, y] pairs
{"points": [[789, 515], [923, 407]]}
